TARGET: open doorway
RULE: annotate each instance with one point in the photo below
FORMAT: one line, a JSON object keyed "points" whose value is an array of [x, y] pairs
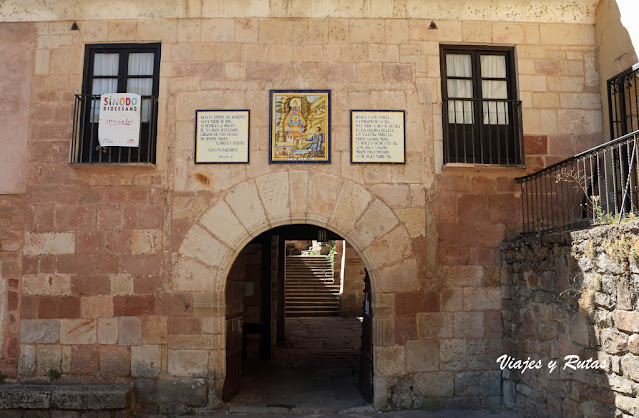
{"points": [[299, 323]]}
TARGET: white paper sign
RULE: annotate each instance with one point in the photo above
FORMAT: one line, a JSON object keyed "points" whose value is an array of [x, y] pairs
{"points": [[119, 120]]}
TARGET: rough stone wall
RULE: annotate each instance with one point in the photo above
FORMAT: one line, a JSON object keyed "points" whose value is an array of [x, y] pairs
{"points": [[124, 268], [573, 294]]}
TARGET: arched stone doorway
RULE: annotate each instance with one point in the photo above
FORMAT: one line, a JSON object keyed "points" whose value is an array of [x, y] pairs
{"points": [[243, 212]]}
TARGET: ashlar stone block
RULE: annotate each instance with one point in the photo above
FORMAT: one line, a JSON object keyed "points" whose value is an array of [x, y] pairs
{"points": [[223, 224], [49, 243], [107, 330], [274, 192], [146, 360], [201, 245], [129, 330], [190, 275], [188, 363], [246, 204], [422, 355], [42, 331], [78, 331], [351, 203]]}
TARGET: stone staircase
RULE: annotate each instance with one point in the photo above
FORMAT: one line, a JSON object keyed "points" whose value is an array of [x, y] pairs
{"points": [[310, 290]]}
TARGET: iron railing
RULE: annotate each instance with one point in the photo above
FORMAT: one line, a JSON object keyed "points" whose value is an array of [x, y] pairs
{"points": [[623, 102], [85, 147], [483, 131], [596, 186]]}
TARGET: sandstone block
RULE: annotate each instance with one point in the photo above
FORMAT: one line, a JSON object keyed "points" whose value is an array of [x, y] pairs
{"points": [[422, 355], [49, 243], [46, 284], [121, 284], [390, 361], [172, 394], [478, 383], [218, 30], [27, 360], [201, 245], [85, 360], [403, 277], [434, 325], [245, 203], [274, 192], [391, 248], [192, 341], [190, 275], [129, 330], [482, 299], [452, 354], [567, 34], [78, 331], [368, 228], [47, 357], [174, 304], [145, 241], [157, 30], [351, 202], [464, 276], [96, 307], [424, 384], [121, 31], [39, 331], [326, 188], [223, 224], [482, 354], [115, 361], [366, 30], [154, 330], [468, 324], [299, 193], [107, 330], [476, 31], [133, 305], [146, 360], [188, 363]]}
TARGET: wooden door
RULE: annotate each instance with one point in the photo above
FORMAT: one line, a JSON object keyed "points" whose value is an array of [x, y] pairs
{"points": [[366, 356], [234, 324]]}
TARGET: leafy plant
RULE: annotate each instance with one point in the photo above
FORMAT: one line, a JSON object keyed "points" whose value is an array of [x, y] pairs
{"points": [[331, 252], [54, 375], [592, 201]]}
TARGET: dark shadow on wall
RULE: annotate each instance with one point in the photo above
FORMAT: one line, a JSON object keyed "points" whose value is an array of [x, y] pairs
{"points": [[572, 294]]}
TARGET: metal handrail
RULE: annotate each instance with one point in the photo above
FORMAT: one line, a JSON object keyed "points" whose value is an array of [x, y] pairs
{"points": [[599, 185]]}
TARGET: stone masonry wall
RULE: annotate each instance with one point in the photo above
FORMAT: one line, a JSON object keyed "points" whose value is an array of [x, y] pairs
{"points": [[573, 294], [124, 268]]}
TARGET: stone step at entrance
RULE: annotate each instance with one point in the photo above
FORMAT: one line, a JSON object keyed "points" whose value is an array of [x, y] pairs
{"points": [[310, 287]]}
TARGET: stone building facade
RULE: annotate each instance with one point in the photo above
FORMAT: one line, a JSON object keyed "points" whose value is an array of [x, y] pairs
{"points": [[118, 273]]}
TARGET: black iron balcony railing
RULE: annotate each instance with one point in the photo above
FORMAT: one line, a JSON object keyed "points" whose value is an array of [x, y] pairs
{"points": [[482, 131], [85, 147], [596, 186]]}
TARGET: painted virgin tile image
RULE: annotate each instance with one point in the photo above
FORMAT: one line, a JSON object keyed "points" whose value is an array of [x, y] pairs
{"points": [[300, 126]]}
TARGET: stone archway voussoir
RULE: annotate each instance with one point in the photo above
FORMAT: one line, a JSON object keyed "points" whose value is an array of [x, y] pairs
{"points": [[244, 201], [223, 224], [351, 203], [377, 221], [274, 192]]}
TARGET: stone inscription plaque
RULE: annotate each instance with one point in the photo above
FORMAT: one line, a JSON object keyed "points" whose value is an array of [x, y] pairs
{"points": [[222, 136], [378, 137]]}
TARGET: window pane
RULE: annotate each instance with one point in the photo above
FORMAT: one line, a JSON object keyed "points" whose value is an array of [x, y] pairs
{"points": [[460, 88], [493, 66], [101, 86], [141, 86], [460, 111], [106, 64], [495, 113], [104, 85], [141, 63], [458, 65], [494, 89]]}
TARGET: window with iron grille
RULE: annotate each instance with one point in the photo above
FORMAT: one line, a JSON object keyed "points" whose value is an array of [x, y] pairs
{"points": [[481, 116], [623, 102], [116, 68]]}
